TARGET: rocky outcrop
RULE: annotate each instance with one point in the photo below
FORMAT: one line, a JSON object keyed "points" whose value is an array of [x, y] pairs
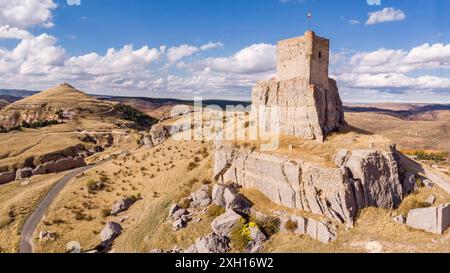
{"points": [[212, 243], [24, 173], [434, 219], [228, 197], [6, 177], [224, 224], [45, 236], [298, 108], [365, 178], [159, 134], [60, 165], [201, 198], [317, 230], [122, 205]]}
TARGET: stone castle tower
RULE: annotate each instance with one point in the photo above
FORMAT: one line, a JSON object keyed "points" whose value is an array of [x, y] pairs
{"points": [[307, 100]]}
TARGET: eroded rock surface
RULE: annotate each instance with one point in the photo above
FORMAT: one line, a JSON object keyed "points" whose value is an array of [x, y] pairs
{"points": [[366, 178], [434, 219]]}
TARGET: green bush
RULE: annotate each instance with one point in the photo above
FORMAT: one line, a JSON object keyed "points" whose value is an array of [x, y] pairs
{"points": [[131, 114], [438, 157], [240, 235]]}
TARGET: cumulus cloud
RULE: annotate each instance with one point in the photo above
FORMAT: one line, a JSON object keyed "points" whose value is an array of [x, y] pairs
{"points": [[26, 13], [177, 53], [8, 32], [385, 15], [256, 58]]}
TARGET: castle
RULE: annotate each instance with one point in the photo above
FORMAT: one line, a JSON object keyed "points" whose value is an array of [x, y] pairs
{"points": [[306, 100]]}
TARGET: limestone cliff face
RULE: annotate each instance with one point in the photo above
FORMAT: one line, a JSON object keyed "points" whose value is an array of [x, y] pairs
{"points": [[304, 110], [365, 178]]}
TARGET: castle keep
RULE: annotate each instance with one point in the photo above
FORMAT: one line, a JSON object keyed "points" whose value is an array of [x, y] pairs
{"points": [[306, 100]]}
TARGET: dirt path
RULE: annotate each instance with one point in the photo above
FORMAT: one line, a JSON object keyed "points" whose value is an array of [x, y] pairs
{"points": [[28, 229], [439, 179]]}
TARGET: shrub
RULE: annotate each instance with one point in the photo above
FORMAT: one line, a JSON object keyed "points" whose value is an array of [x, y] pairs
{"points": [[422, 155], [269, 225], [291, 225], [131, 114], [105, 213], [192, 166], [240, 235], [185, 203], [410, 203], [206, 181], [215, 211], [94, 186]]}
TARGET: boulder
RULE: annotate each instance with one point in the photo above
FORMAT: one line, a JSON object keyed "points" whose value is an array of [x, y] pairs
{"points": [[122, 205], [173, 208], [24, 173], [212, 243], [434, 219], [428, 183], [179, 213], [317, 230], [47, 236], [399, 219], [236, 201], [178, 224], [110, 232], [257, 239], [430, 200], [217, 195], [224, 224], [201, 197], [409, 184], [7, 177]]}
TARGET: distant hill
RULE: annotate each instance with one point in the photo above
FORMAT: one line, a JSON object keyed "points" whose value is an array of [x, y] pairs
{"points": [[17, 93], [409, 111]]}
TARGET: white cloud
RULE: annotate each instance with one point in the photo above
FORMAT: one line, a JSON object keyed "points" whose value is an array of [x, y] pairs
{"points": [[8, 32], [385, 15], [256, 58], [26, 13], [175, 54]]}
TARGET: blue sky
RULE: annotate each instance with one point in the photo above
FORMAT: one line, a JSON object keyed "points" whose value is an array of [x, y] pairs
{"points": [[396, 51]]}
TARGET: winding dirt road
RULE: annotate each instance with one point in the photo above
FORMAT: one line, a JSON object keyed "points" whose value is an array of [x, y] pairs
{"points": [[28, 229]]}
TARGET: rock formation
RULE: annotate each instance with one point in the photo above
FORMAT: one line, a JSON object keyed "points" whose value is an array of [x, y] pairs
{"points": [[60, 165], [434, 219], [365, 178], [6, 177], [301, 100]]}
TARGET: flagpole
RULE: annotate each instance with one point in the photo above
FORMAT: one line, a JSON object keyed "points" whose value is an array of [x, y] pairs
{"points": [[310, 18]]}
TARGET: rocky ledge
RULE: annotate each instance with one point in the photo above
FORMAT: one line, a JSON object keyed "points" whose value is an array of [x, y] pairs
{"points": [[361, 178]]}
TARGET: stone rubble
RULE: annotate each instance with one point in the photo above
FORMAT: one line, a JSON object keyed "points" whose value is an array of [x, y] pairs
{"points": [[433, 219]]}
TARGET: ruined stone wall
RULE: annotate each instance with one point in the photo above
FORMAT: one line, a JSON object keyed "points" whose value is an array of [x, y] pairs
{"points": [[370, 179], [60, 165], [306, 57]]}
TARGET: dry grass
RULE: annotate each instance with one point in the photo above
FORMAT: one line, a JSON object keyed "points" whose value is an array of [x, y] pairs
{"points": [[145, 227], [374, 227], [17, 202]]}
